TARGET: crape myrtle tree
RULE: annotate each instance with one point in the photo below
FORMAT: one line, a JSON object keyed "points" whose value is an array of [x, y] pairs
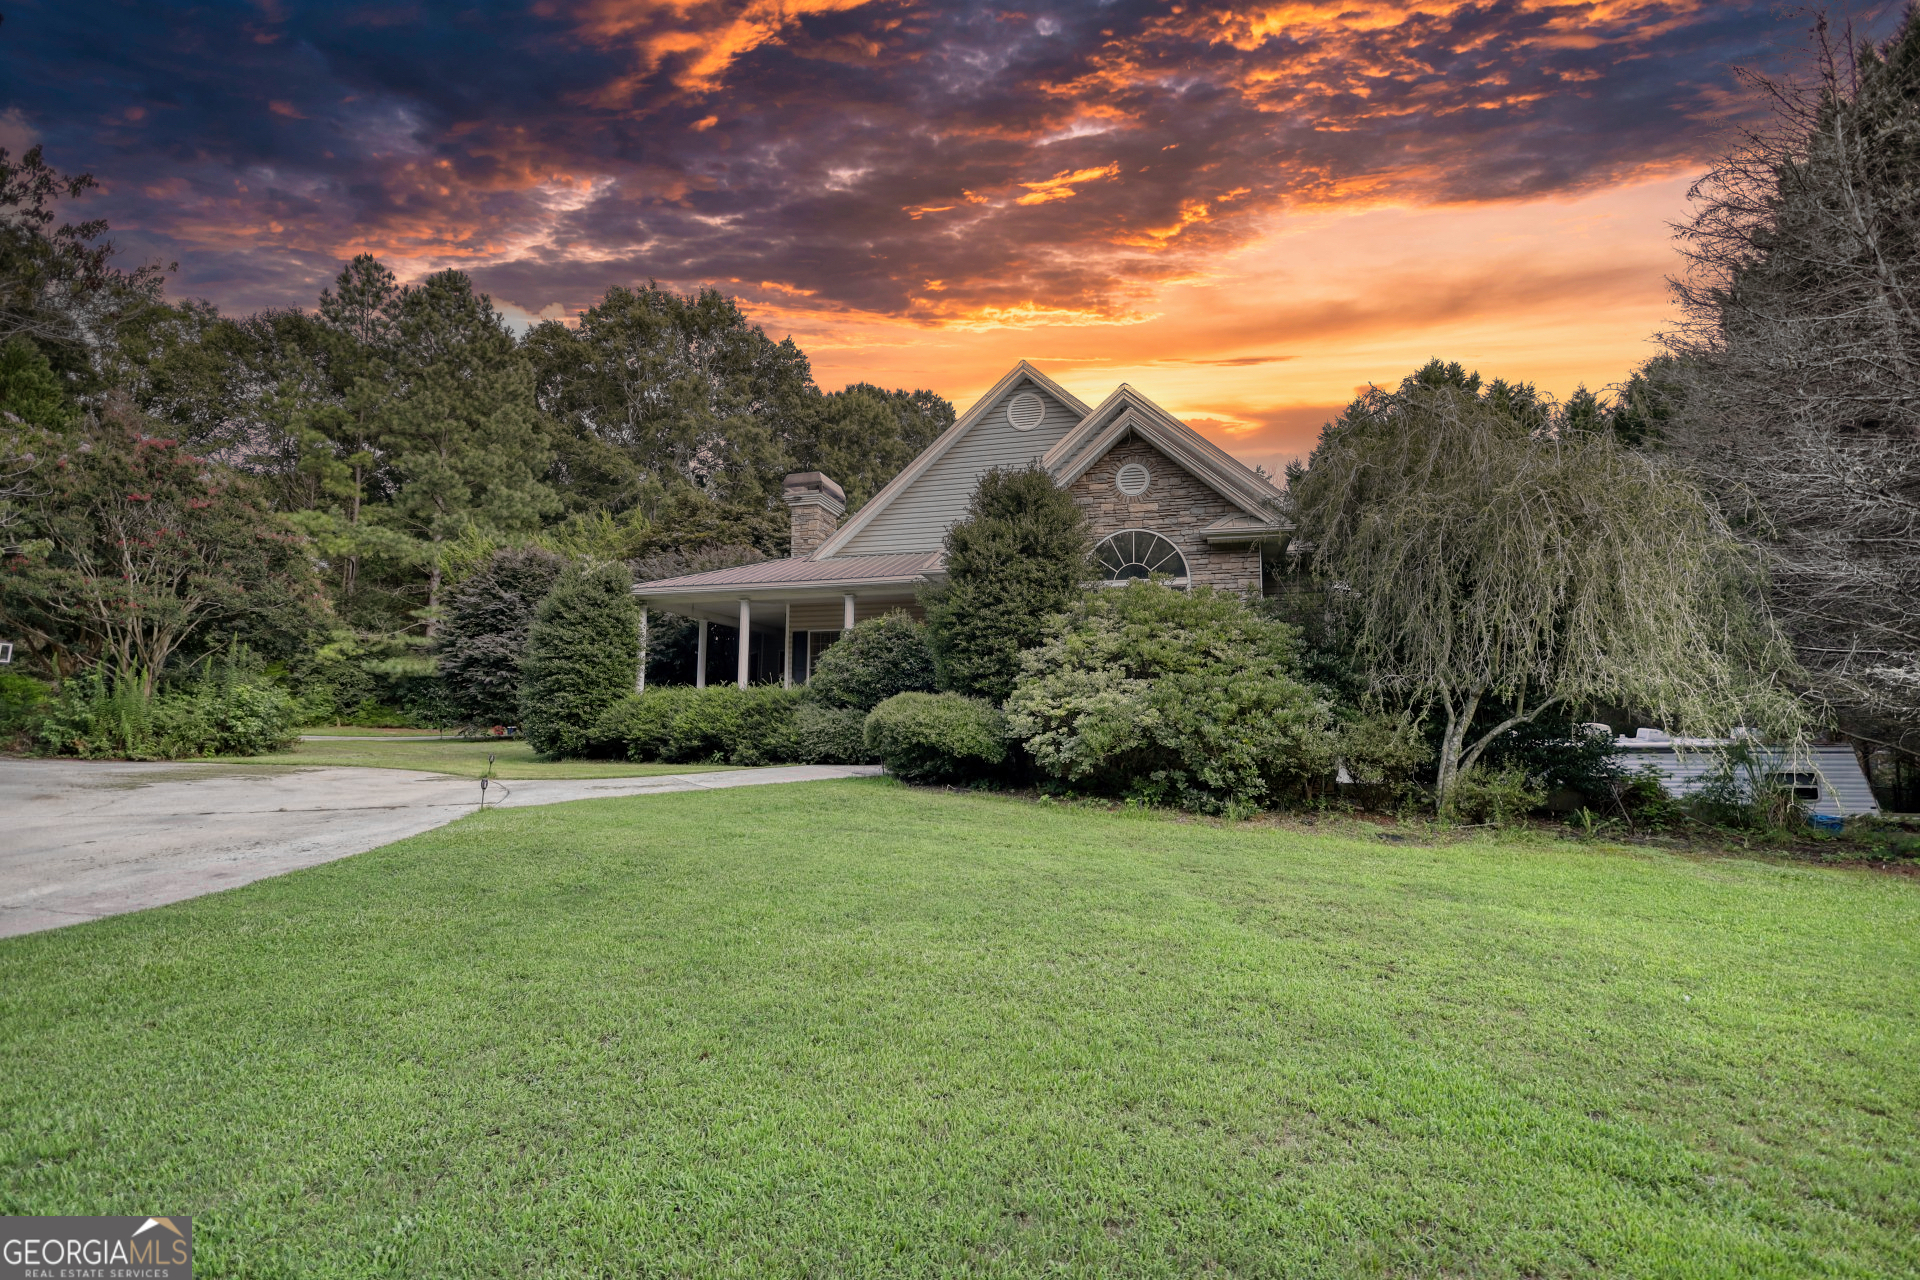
{"points": [[483, 638], [134, 550], [1021, 554], [582, 655], [1798, 362], [1482, 563]]}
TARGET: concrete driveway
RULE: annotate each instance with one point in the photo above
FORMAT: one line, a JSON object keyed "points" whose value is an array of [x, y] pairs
{"points": [[84, 839]]}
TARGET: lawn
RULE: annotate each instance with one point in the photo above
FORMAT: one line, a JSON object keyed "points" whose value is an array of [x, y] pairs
{"points": [[851, 1029], [513, 759]]}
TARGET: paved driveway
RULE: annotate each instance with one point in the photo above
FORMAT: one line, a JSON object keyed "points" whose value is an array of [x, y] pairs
{"points": [[84, 839]]}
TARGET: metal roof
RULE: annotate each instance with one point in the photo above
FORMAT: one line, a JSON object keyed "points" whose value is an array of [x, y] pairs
{"points": [[839, 570]]}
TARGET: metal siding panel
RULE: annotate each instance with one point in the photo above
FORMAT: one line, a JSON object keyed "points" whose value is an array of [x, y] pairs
{"points": [[919, 518]]}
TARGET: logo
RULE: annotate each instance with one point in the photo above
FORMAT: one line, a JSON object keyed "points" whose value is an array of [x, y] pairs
{"points": [[96, 1248]]}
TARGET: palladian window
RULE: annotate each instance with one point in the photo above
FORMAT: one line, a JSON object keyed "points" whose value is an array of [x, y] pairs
{"points": [[1136, 553]]}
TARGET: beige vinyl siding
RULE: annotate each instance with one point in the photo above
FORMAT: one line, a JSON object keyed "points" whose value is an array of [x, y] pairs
{"points": [[918, 519]]}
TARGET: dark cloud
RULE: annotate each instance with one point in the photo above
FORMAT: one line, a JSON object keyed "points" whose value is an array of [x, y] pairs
{"points": [[940, 164]]}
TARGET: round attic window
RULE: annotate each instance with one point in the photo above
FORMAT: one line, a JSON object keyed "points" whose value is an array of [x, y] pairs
{"points": [[1132, 479], [1025, 410]]}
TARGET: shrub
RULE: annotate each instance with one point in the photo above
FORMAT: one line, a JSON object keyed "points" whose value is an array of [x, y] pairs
{"points": [[1021, 555], [869, 664], [724, 725], [223, 713], [582, 654], [21, 697], [484, 637], [937, 737], [1498, 796], [1383, 756], [830, 735], [1172, 697]]}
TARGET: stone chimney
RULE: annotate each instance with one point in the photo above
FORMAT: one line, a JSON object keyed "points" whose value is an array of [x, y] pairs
{"points": [[817, 504]]}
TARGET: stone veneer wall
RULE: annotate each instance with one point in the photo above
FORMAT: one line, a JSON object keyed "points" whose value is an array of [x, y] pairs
{"points": [[1176, 505]]}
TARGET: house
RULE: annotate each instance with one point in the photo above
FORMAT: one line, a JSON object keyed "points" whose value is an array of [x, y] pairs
{"points": [[1160, 499], [1826, 779]]}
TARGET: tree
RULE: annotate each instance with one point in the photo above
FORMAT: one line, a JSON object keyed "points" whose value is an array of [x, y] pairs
{"points": [[1479, 561], [582, 654], [148, 549], [58, 284], [30, 393], [1022, 553], [1799, 361], [484, 639], [864, 436], [464, 440], [678, 389]]}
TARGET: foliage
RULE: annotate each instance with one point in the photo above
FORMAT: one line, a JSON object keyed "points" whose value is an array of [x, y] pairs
{"points": [[1020, 555], [149, 550], [722, 724], [1559, 753], [582, 654], [937, 737], [58, 284], [21, 697], [223, 711], [29, 390], [863, 436], [484, 636], [830, 735], [869, 664], [1798, 360], [1479, 558], [1175, 697], [1383, 756], [1498, 796]]}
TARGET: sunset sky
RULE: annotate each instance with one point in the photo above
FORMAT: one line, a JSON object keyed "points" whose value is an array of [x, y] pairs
{"points": [[1246, 211]]}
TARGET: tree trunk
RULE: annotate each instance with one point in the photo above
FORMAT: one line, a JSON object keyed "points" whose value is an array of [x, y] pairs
{"points": [[1452, 743]]}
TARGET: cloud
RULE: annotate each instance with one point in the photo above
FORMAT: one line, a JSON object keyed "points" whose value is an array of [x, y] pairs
{"points": [[1058, 161]]}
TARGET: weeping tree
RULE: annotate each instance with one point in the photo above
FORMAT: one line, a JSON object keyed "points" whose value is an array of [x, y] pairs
{"points": [[1482, 562]]}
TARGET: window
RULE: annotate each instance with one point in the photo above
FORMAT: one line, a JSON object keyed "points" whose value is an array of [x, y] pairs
{"points": [[1025, 411], [1132, 479], [1805, 786], [1135, 553]]}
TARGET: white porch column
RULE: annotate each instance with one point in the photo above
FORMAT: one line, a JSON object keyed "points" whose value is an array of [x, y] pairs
{"points": [[640, 679], [848, 601], [746, 633], [700, 658], [786, 678]]}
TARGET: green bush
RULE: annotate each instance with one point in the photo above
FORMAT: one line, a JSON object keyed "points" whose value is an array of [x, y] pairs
{"points": [[1021, 555], [222, 713], [1383, 756], [1500, 796], [1174, 698], [21, 697], [583, 652], [721, 725], [869, 664], [484, 636], [937, 737], [831, 735]]}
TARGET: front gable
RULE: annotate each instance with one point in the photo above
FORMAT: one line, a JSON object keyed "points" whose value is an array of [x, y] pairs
{"points": [[914, 511]]}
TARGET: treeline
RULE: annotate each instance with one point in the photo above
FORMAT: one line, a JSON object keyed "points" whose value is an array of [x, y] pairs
{"points": [[162, 462]]}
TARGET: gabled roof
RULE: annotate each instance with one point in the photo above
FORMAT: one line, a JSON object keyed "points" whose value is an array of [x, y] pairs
{"points": [[1127, 412], [891, 492]]}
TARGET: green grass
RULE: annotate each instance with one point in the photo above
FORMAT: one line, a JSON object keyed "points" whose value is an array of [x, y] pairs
{"points": [[851, 1029], [466, 759]]}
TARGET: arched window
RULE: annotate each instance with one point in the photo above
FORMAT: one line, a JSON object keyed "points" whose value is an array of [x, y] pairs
{"points": [[1136, 553]]}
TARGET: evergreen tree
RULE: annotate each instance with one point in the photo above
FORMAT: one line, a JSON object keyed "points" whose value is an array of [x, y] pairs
{"points": [[1021, 554], [484, 637], [864, 436], [463, 439], [583, 652], [29, 390]]}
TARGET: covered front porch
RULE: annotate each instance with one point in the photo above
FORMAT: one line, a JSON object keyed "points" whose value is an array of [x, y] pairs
{"points": [[788, 611]]}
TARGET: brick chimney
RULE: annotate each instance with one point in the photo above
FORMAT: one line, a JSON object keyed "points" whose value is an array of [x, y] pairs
{"points": [[817, 504]]}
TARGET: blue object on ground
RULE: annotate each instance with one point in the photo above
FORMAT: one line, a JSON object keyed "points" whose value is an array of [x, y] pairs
{"points": [[1825, 822]]}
